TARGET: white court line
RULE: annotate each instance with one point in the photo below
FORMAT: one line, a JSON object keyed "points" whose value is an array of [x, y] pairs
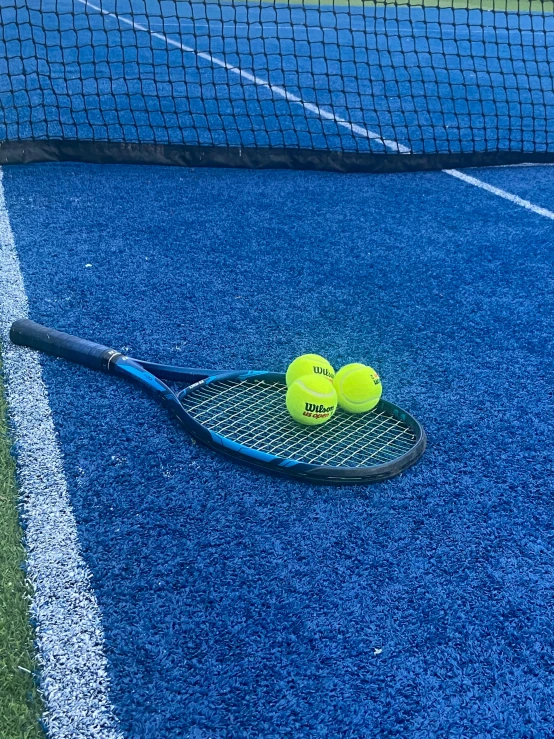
{"points": [[500, 193], [354, 128], [73, 669], [257, 81]]}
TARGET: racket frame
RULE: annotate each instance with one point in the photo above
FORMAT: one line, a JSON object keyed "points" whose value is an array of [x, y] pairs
{"points": [[152, 375]]}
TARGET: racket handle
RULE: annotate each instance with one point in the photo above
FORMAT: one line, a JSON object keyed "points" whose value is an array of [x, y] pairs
{"points": [[33, 335]]}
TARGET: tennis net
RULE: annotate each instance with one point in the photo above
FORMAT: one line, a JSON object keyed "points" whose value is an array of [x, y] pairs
{"points": [[345, 84]]}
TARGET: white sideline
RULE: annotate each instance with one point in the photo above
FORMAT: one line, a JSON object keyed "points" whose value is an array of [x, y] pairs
{"points": [[276, 89], [500, 193], [354, 128], [73, 669]]}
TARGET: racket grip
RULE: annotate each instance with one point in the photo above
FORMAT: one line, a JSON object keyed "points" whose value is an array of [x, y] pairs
{"points": [[28, 333]]}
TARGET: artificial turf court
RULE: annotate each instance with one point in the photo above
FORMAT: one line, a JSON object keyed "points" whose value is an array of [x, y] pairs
{"points": [[173, 593], [235, 604]]}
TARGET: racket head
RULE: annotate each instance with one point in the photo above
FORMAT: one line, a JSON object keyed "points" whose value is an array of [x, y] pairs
{"points": [[243, 415]]}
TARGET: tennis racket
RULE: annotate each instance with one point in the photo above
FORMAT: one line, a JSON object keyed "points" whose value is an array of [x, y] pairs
{"points": [[243, 415]]}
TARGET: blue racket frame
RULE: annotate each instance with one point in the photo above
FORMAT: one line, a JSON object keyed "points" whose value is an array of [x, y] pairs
{"points": [[151, 376]]}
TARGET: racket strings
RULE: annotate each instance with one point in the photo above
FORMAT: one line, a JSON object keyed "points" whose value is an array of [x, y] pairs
{"points": [[253, 413]]}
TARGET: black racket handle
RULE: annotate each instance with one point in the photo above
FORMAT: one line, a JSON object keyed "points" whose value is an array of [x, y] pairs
{"points": [[96, 356]]}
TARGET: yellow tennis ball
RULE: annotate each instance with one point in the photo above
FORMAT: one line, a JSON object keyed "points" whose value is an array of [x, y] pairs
{"points": [[311, 400], [309, 364], [358, 388]]}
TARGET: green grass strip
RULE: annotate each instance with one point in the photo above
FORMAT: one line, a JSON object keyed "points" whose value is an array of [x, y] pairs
{"points": [[20, 705]]}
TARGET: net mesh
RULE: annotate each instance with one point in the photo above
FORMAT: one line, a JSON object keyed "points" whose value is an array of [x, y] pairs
{"points": [[253, 413], [364, 78]]}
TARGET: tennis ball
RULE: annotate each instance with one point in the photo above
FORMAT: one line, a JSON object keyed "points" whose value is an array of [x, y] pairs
{"points": [[358, 388], [309, 364], [311, 400]]}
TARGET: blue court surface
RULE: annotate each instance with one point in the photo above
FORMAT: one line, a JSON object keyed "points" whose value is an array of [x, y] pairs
{"points": [[235, 604], [177, 594]]}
